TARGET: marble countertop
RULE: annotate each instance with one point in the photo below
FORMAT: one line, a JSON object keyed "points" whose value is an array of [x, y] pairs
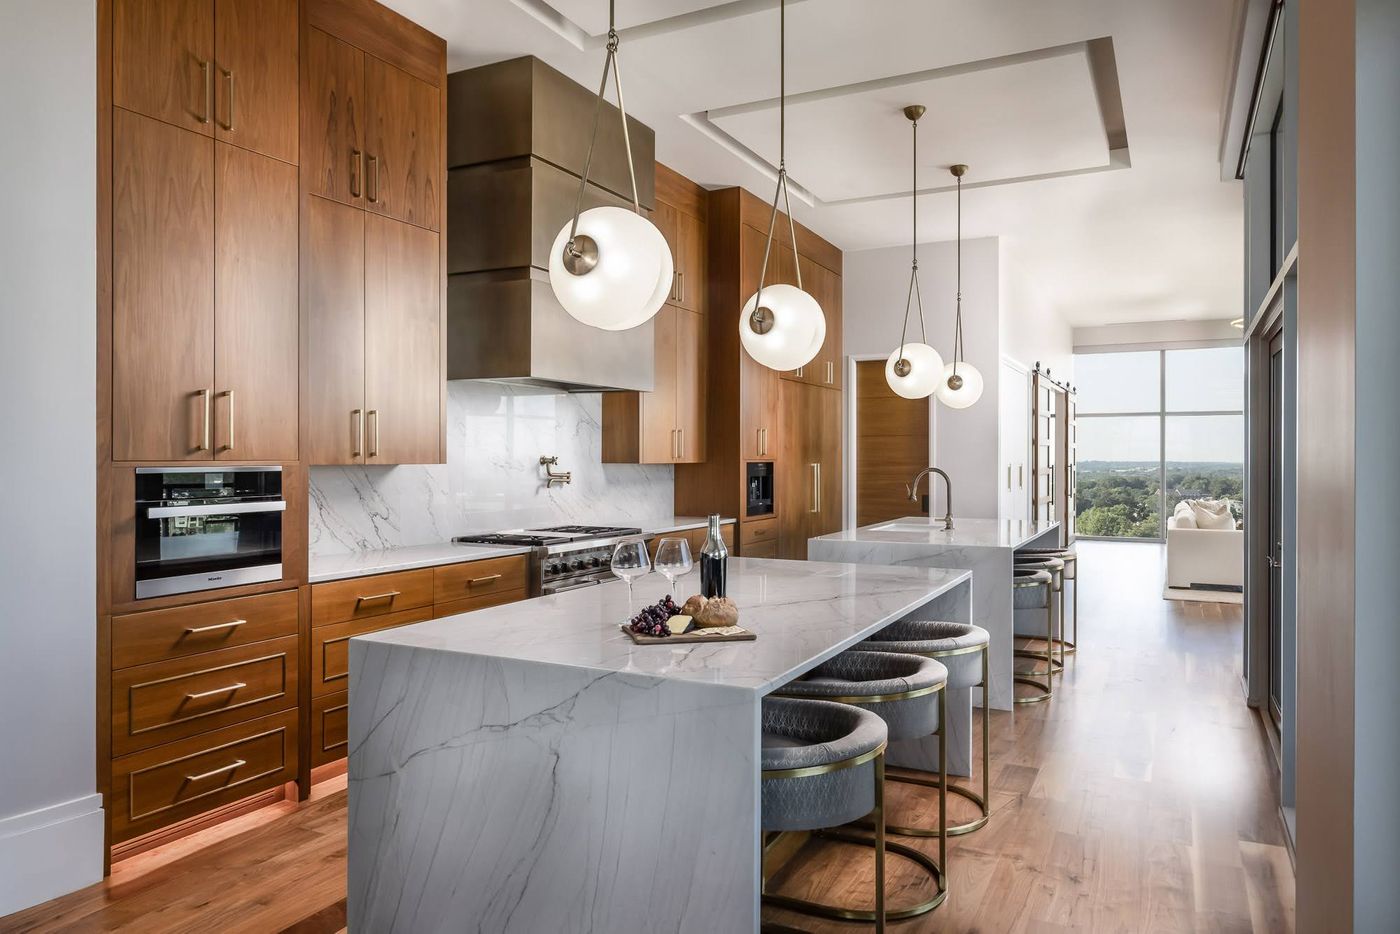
{"points": [[926, 531], [803, 613], [324, 568]]}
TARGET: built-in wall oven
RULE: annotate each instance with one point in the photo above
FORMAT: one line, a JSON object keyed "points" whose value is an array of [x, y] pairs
{"points": [[201, 528]]}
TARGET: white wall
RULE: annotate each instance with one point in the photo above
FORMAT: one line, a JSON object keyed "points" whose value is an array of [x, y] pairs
{"points": [[1032, 331], [1157, 334], [50, 817]]}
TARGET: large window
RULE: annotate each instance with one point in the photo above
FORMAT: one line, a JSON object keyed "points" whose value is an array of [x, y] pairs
{"points": [[1156, 427]]}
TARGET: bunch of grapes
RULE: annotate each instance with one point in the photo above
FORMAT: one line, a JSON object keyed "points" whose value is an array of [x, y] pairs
{"points": [[651, 621]]}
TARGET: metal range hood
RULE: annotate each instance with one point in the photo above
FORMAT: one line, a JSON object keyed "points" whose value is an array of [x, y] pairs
{"points": [[517, 137]]}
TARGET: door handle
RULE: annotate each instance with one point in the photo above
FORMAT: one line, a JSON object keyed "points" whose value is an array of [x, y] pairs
{"points": [[228, 84], [357, 171], [1008, 476], [1020, 475], [228, 394], [357, 427], [830, 372], [374, 181], [231, 624], [816, 488], [680, 444], [229, 689], [481, 581], [204, 430], [374, 433], [680, 286], [212, 773], [205, 77], [371, 598]]}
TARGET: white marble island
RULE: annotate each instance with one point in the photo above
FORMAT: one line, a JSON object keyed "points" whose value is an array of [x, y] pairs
{"points": [[527, 768], [985, 546]]}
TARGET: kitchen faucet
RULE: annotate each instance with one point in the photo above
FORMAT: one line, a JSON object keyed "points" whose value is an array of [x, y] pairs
{"points": [[913, 490]]}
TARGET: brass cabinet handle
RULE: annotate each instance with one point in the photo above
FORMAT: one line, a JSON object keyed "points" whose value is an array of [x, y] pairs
{"points": [[1020, 475], [680, 286], [200, 695], [389, 595], [213, 773], [680, 444], [357, 170], [798, 373], [373, 432], [374, 180], [816, 488], [228, 83], [357, 424], [488, 579], [208, 91], [204, 430], [228, 394], [1008, 476], [673, 443], [675, 286], [231, 624], [830, 372]]}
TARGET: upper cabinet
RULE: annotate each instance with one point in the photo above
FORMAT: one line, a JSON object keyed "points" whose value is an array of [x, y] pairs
{"points": [[226, 69], [333, 147]]}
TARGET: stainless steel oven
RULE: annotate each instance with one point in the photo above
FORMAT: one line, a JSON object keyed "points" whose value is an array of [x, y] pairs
{"points": [[201, 528]]}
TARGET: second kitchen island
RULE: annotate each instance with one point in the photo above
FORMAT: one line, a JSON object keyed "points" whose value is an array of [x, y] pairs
{"points": [[527, 768]]}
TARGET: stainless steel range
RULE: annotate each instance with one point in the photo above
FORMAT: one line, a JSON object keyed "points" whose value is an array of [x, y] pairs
{"points": [[566, 557]]}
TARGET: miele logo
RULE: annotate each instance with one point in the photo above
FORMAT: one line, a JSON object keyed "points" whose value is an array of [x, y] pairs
{"points": [[216, 577]]}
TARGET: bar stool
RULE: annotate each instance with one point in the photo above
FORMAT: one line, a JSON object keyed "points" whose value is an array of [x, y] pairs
{"points": [[1071, 573], [907, 693], [1033, 589], [962, 648], [1056, 567]]}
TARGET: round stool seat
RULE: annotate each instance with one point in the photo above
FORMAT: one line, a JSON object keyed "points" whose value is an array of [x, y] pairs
{"points": [[901, 688], [1028, 583], [1039, 562], [839, 742], [956, 645]]}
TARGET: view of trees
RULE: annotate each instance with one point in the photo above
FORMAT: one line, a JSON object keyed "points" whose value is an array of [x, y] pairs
{"points": [[1121, 498]]}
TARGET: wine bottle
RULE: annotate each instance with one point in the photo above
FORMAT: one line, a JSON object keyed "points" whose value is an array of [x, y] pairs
{"points": [[714, 562]]}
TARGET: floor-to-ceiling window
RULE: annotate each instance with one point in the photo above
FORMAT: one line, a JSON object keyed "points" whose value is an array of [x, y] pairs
{"points": [[1156, 427]]}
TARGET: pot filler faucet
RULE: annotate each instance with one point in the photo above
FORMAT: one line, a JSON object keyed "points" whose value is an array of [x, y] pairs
{"points": [[913, 490]]}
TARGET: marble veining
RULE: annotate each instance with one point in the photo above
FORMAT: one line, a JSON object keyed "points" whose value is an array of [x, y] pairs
{"points": [[492, 479]]}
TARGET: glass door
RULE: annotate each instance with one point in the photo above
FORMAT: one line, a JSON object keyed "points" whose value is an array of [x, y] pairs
{"points": [[1274, 557]]}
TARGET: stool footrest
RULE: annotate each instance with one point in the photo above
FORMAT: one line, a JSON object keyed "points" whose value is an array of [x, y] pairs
{"points": [[838, 913]]}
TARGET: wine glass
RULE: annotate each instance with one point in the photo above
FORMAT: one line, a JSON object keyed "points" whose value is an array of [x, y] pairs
{"points": [[629, 562], [673, 560]]}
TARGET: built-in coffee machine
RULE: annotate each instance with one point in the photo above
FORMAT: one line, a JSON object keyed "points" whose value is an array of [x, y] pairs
{"points": [[759, 484]]}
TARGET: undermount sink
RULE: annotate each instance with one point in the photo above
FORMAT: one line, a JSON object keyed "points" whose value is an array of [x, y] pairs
{"points": [[909, 525]]}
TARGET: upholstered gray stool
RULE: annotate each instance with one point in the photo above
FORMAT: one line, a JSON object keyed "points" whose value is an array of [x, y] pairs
{"points": [[824, 766], [906, 692], [962, 649], [1033, 589], [1068, 646], [1056, 567]]}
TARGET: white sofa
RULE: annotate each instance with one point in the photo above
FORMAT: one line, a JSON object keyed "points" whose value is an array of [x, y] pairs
{"points": [[1197, 556]]}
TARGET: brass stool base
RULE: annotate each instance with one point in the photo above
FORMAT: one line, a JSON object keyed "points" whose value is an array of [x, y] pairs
{"points": [[1046, 691], [977, 823], [820, 910], [1055, 667]]}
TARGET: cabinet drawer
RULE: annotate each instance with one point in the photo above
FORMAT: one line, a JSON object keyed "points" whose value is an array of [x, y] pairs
{"points": [[768, 549], [155, 635], [453, 582], [165, 701], [330, 724], [363, 597], [467, 604], [170, 783], [752, 533], [330, 647]]}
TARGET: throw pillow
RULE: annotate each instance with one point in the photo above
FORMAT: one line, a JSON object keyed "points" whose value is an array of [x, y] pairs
{"points": [[1213, 514], [1184, 519]]}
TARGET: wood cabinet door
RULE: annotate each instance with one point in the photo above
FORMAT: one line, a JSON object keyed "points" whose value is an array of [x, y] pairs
{"points": [[687, 241], [668, 220], [255, 311], [333, 280], [690, 386], [758, 385], [403, 145], [333, 159], [162, 60], [162, 291], [825, 286], [402, 350], [657, 409], [827, 446], [794, 474], [255, 80]]}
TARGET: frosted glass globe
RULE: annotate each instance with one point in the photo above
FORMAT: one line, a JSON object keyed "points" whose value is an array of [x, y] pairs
{"points": [[632, 277], [965, 395], [797, 332], [926, 366]]}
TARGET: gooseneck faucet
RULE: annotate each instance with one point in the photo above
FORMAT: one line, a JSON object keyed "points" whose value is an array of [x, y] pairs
{"points": [[913, 490]]}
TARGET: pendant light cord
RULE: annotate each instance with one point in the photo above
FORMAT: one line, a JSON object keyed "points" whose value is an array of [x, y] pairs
{"points": [[914, 296], [610, 63], [782, 188], [957, 327]]}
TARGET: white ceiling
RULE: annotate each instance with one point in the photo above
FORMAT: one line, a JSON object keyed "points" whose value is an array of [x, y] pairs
{"points": [[1094, 236]]}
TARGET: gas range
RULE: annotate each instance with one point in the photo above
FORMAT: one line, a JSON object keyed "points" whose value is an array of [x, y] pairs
{"points": [[565, 557]]}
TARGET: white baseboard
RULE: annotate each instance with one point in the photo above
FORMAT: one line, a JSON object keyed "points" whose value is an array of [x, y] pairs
{"points": [[50, 852]]}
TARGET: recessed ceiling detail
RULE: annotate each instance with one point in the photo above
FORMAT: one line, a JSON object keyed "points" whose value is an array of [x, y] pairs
{"points": [[1041, 114], [584, 23]]}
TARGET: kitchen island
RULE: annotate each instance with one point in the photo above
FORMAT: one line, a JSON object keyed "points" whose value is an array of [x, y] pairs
{"points": [[984, 546], [527, 768]]}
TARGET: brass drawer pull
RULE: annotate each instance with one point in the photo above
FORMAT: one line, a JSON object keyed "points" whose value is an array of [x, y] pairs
{"points": [[228, 394], [488, 579], [204, 431], [228, 78], [374, 178], [357, 424], [236, 686], [231, 624], [214, 773], [357, 171], [373, 430], [208, 91], [378, 596]]}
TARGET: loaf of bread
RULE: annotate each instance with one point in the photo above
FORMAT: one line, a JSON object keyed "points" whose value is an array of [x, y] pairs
{"points": [[717, 611], [693, 606]]}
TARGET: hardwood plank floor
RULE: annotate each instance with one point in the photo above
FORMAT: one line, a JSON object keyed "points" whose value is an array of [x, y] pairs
{"points": [[1141, 798]]}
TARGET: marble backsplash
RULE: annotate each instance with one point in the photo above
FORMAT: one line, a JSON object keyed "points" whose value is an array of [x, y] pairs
{"points": [[492, 479]]}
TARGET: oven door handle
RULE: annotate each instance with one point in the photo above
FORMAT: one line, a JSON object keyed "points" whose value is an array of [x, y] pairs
{"points": [[589, 583], [169, 512]]}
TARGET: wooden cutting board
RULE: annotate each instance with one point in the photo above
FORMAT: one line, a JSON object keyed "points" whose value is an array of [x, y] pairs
{"points": [[717, 634]]}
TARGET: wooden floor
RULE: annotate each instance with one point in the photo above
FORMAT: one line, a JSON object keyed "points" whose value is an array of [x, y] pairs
{"points": [[1141, 798]]}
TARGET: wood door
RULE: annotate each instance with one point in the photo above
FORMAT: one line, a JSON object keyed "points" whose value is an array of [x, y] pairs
{"points": [[333, 159], [690, 387], [162, 60], [668, 220], [688, 253], [255, 313], [402, 350], [162, 291], [659, 442], [334, 288], [403, 145], [797, 468], [825, 286], [827, 448], [758, 385], [891, 439], [255, 81]]}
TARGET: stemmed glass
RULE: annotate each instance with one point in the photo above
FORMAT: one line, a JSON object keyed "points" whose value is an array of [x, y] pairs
{"points": [[673, 560], [629, 562]]}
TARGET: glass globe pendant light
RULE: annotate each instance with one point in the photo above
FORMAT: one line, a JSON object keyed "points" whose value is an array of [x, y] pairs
{"points": [[781, 326], [914, 369], [961, 383], [609, 267]]}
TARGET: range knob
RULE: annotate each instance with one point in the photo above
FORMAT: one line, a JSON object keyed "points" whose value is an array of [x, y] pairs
{"points": [[577, 564], [595, 562], [554, 568]]}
